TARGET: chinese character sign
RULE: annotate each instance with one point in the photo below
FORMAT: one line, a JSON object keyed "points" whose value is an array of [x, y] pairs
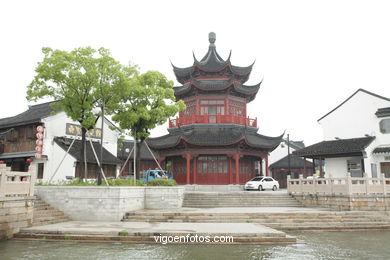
{"points": [[72, 129]]}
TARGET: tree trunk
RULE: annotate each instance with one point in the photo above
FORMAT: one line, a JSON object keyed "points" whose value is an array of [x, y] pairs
{"points": [[84, 151], [138, 159]]}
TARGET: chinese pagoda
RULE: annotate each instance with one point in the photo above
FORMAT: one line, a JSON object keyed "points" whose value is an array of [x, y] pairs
{"points": [[214, 141]]}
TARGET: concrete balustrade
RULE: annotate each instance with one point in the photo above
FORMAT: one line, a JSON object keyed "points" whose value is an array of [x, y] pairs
{"points": [[14, 183], [16, 200], [349, 193], [344, 186]]}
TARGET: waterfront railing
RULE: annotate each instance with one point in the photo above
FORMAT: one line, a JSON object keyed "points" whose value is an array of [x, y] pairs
{"points": [[16, 183], [345, 186]]}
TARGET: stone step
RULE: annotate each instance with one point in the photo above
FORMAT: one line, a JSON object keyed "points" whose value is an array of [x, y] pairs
{"points": [[227, 202], [235, 205], [237, 199], [147, 239], [44, 214], [36, 224], [260, 216], [142, 232], [258, 220], [329, 226], [283, 218]]}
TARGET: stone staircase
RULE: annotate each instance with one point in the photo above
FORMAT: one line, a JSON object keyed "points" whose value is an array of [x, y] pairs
{"points": [[315, 220], [44, 214], [238, 199]]}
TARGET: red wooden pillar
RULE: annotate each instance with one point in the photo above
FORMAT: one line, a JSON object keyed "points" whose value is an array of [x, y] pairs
{"points": [[321, 171], [230, 171], [237, 159], [188, 168], [261, 167], [304, 167], [266, 165], [195, 171]]}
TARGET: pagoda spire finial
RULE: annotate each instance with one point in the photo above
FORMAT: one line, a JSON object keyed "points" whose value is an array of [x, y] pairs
{"points": [[212, 38]]}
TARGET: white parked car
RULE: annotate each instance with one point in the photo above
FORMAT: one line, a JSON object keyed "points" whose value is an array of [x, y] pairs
{"points": [[262, 183]]}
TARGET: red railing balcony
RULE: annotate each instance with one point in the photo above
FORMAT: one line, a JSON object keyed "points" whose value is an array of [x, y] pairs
{"points": [[212, 119]]}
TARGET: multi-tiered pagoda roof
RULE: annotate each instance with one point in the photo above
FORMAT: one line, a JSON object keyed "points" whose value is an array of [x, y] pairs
{"points": [[212, 74]]}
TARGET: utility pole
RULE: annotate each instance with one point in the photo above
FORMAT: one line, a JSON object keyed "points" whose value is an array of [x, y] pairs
{"points": [[288, 154], [134, 157]]}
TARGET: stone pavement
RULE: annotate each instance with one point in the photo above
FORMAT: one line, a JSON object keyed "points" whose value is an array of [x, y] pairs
{"points": [[238, 210], [144, 232]]}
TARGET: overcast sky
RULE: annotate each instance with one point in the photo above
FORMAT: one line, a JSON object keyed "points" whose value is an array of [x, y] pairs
{"points": [[311, 54]]}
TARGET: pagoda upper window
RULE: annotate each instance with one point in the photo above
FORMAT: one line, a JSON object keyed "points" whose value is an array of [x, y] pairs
{"points": [[212, 107]]}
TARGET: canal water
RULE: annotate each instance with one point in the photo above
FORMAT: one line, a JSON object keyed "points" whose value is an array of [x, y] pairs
{"points": [[371, 245]]}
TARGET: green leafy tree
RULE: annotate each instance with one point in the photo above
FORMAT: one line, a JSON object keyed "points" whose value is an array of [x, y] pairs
{"points": [[80, 81], [146, 101]]}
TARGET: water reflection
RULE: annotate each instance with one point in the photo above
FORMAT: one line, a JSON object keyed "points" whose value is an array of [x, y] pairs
{"points": [[317, 245]]}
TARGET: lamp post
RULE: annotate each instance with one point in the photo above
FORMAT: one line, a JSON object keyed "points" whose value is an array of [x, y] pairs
{"points": [[99, 181]]}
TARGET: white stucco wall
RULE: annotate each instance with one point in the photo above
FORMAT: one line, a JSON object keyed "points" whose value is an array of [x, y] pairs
{"points": [[337, 167], [355, 118], [55, 125], [280, 152]]}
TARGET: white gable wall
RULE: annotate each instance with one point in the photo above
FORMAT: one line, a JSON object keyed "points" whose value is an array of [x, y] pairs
{"points": [[355, 118], [280, 152]]}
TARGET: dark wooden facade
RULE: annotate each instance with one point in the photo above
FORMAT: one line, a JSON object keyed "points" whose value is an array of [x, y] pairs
{"points": [[19, 139], [93, 170], [20, 142], [214, 141]]}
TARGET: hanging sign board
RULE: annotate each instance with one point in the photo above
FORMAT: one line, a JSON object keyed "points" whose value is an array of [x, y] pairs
{"points": [[73, 129]]}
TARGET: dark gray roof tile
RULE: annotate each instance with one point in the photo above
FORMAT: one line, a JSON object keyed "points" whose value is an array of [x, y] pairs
{"points": [[34, 114], [383, 112], [336, 148], [296, 162], [215, 135], [75, 151]]}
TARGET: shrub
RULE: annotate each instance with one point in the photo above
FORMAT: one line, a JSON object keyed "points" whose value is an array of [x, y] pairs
{"points": [[81, 182], [123, 233], [162, 182], [93, 182], [124, 182]]}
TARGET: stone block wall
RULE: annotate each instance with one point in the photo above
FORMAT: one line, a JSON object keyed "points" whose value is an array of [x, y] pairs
{"points": [[108, 203], [377, 202], [15, 213], [163, 197]]}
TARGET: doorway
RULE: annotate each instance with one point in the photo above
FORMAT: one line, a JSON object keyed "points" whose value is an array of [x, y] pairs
{"points": [[385, 169]]}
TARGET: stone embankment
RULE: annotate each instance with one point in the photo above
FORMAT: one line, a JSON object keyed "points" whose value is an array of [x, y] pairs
{"points": [[283, 220]]}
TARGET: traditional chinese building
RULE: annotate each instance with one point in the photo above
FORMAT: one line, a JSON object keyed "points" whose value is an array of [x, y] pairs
{"points": [[214, 141], [19, 145]]}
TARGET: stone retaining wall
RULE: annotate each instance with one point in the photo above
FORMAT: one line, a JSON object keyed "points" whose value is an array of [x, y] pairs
{"points": [[164, 197], [346, 202], [108, 203], [15, 213]]}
